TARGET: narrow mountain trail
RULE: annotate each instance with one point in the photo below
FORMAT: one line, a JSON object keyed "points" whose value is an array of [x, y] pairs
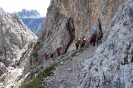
{"points": [[66, 75]]}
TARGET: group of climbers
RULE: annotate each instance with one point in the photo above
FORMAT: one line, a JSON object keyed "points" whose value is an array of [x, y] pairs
{"points": [[46, 55], [77, 43], [80, 42]]}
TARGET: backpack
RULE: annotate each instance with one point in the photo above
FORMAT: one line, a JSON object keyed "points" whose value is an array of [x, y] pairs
{"points": [[83, 41], [77, 42], [57, 50], [93, 36], [46, 55]]}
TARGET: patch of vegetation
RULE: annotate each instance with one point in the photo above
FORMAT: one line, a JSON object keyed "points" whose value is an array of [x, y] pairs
{"points": [[79, 51], [68, 58], [35, 54], [20, 83], [30, 76], [38, 48], [76, 52], [37, 81]]}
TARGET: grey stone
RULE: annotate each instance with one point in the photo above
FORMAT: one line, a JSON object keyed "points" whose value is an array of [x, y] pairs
{"points": [[115, 49]]}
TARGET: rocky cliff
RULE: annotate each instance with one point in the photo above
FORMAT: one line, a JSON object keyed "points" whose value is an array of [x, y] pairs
{"points": [[67, 20], [16, 41], [34, 24], [112, 64]]}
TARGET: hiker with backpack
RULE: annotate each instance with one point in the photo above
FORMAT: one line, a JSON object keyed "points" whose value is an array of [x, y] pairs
{"points": [[58, 50], [93, 38], [77, 43], [83, 41], [46, 56]]}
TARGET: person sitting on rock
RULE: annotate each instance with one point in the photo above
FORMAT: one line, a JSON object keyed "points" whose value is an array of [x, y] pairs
{"points": [[77, 43]]}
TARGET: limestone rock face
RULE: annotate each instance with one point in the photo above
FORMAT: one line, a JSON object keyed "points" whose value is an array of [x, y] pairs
{"points": [[15, 39], [112, 64], [87, 14], [58, 31], [69, 19]]}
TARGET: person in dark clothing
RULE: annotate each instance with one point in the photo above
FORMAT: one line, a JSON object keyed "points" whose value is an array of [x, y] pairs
{"points": [[77, 43], [52, 54], [93, 39]]}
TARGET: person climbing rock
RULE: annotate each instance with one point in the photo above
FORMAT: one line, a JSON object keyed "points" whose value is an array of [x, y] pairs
{"points": [[58, 50], [46, 56], [93, 39], [77, 43], [83, 41]]}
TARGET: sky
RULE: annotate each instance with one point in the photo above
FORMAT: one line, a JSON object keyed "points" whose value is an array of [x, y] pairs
{"points": [[17, 5]]}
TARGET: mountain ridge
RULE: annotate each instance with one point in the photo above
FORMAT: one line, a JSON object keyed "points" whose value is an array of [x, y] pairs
{"points": [[32, 19], [28, 13]]}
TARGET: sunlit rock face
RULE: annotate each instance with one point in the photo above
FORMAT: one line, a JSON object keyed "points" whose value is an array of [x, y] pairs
{"points": [[58, 31], [112, 64], [15, 39], [87, 12], [69, 19]]}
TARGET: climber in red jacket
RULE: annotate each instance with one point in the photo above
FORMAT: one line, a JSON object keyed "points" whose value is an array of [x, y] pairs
{"points": [[83, 41], [46, 56], [93, 39], [58, 50]]}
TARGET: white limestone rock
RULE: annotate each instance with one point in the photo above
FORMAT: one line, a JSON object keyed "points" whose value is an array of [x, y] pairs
{"points": [[15, 39], [112, 64]]}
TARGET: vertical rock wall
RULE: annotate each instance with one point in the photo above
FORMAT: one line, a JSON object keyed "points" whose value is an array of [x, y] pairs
{"points": [[86, 12], [112, 64], [86, 15], [15, 39]]}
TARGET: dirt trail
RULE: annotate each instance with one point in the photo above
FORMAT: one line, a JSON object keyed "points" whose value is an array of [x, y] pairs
{"points": [[66, 75]]}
